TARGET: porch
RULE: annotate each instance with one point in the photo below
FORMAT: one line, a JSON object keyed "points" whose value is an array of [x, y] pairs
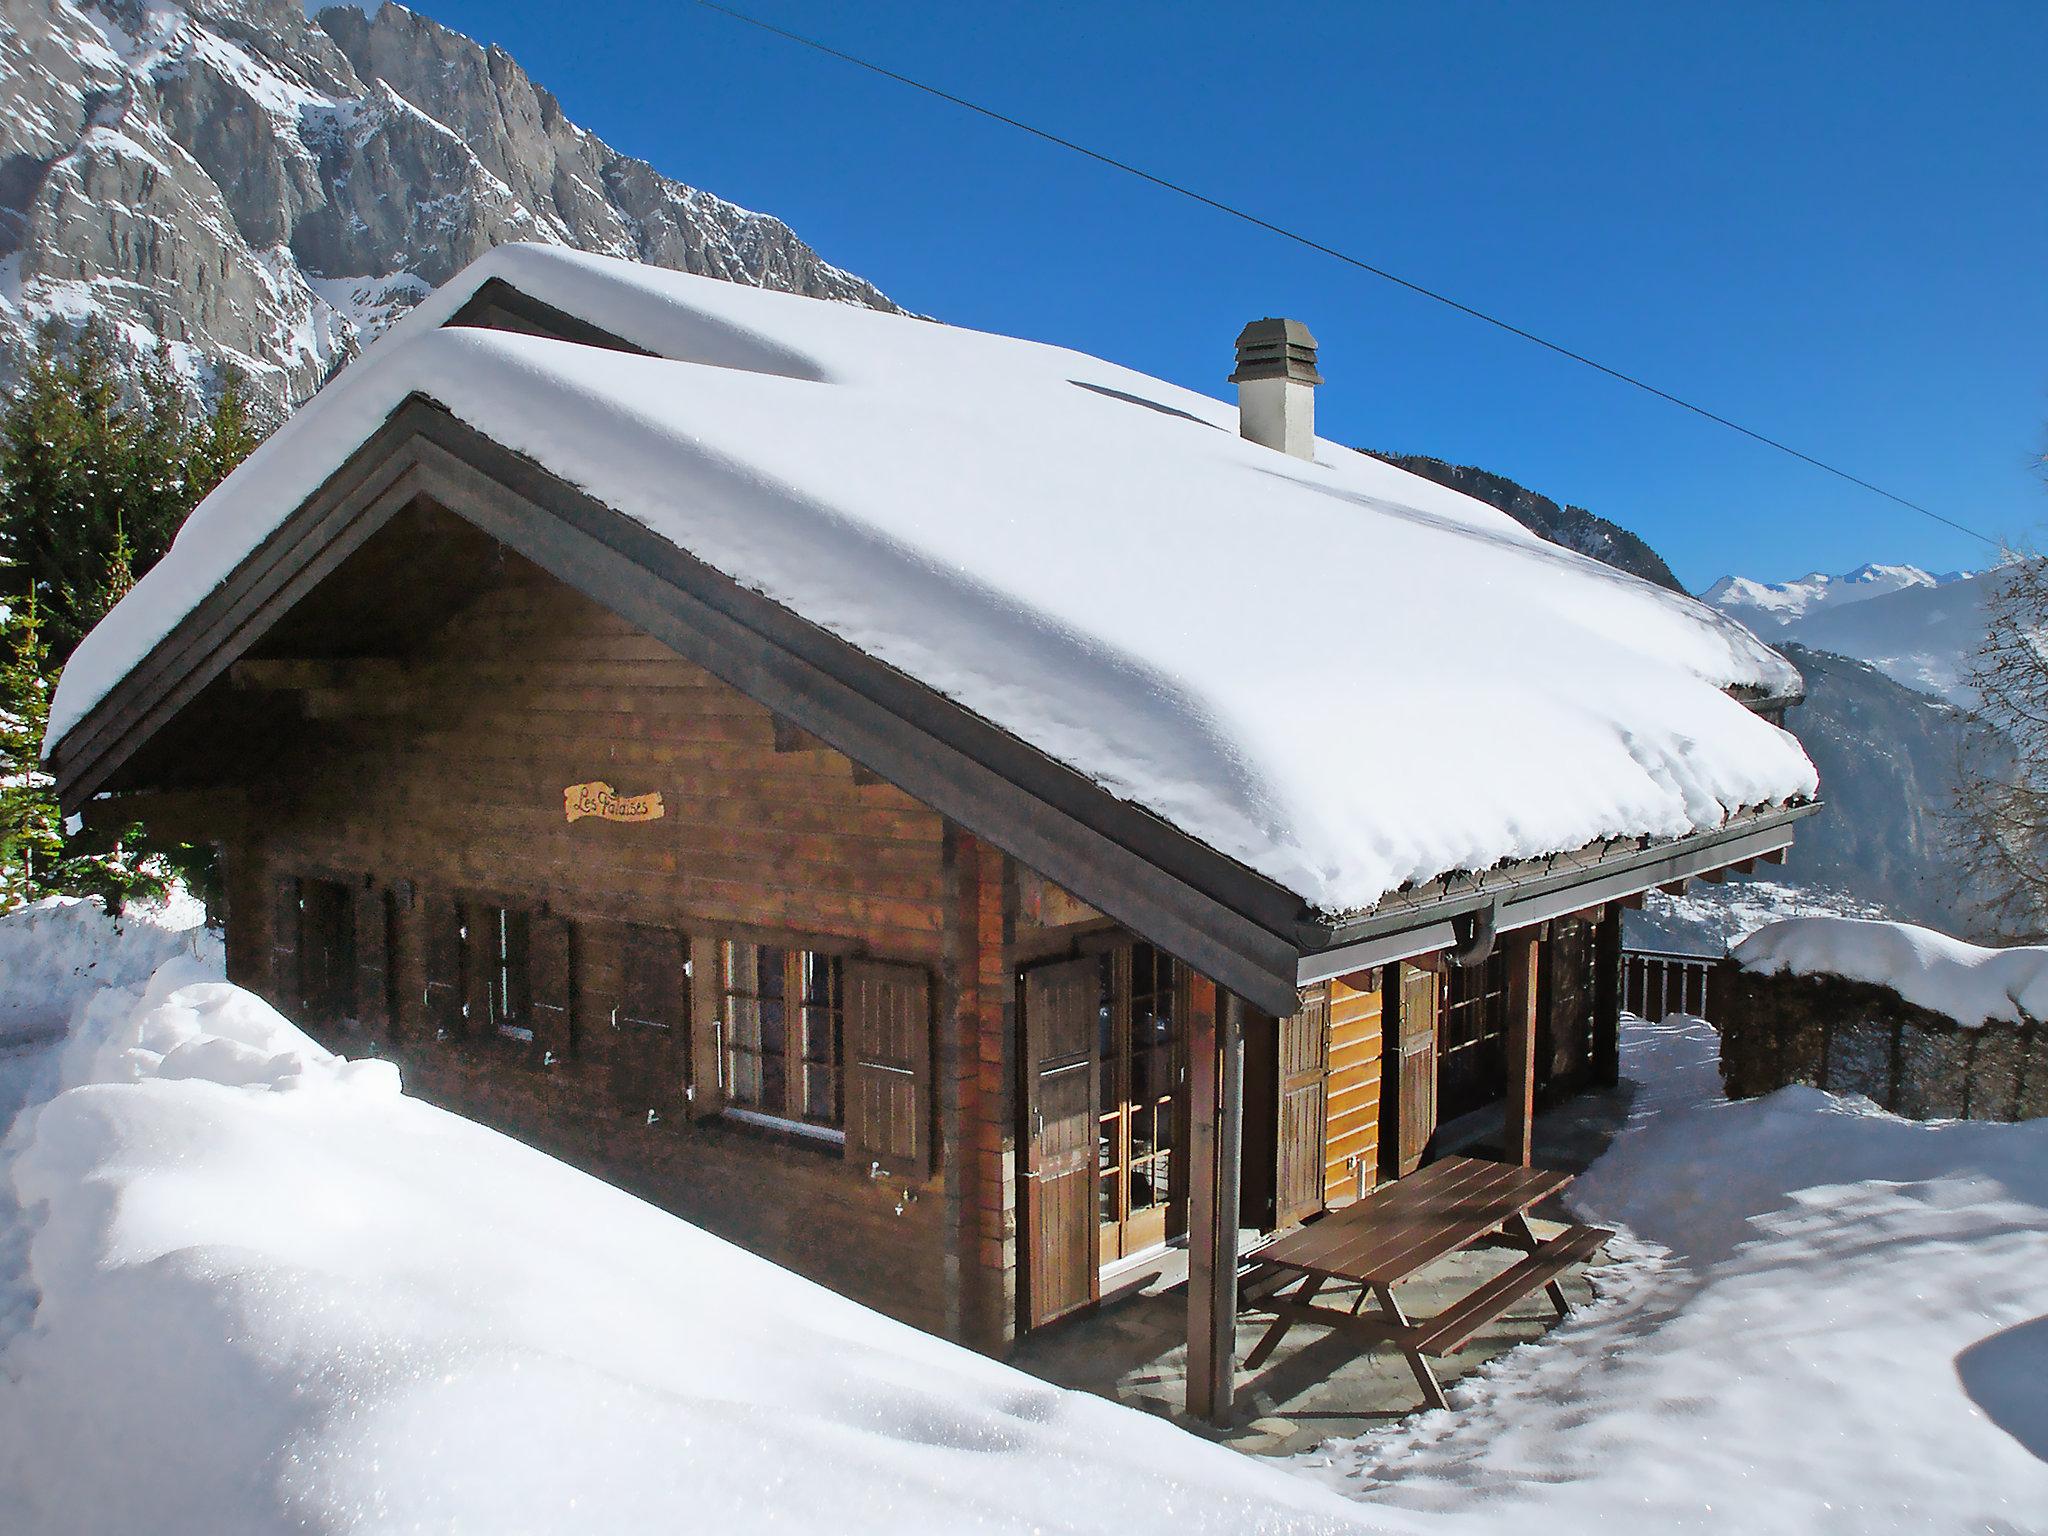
{"points": [[1318, 1383]]}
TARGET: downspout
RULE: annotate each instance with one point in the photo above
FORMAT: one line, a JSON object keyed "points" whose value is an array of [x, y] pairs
{"points": [[1481, 929]]}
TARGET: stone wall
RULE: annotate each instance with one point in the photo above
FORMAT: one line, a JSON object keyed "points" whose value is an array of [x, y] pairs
{"points": [[1853, 1037]]}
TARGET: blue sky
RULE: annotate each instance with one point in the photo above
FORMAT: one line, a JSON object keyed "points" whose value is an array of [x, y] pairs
{"points": [[1825, 221]]}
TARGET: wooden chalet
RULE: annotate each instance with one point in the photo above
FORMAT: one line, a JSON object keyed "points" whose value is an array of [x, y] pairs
{"points": [[630, 853]]}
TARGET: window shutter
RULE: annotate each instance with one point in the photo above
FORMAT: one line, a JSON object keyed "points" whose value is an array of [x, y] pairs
{"points": [[285, 988], [479, 965], [373, 961], [550, 975], [443, 993], [1304, 1077], [888, 1045]]}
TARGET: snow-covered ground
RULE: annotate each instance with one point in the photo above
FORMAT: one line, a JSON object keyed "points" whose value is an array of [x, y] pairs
{"points": [[272, 1293], [246, 1286], [1825, 1319]]}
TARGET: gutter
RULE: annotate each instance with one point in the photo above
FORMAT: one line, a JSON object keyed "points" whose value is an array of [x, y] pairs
{"points": [[1536, 892]]}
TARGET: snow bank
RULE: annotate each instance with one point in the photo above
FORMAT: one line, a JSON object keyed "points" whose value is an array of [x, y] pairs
{"points": [[275, 1294], [57, 953], [1090, 558], [1967, 983], [1826, 1320]]}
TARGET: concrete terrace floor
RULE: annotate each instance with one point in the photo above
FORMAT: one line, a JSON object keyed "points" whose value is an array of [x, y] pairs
{"points": [[1319, 1385]]}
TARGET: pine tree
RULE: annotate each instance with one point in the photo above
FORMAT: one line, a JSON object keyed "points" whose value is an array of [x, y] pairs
{"points": [[97, 473], [31, 827]]}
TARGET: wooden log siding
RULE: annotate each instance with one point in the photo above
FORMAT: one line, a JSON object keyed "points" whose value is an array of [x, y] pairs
{"points": [[1352, 1145], [456, 803]]}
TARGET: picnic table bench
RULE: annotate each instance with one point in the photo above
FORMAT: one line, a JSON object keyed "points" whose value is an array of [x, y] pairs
{"points": [[1386, 1237]]}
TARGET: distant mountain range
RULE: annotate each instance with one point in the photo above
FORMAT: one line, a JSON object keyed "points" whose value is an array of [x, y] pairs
{"points": [[1917, 628], [267, 191]]}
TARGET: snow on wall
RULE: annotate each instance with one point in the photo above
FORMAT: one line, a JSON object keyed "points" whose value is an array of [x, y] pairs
{"points": [[272, 1293], [1968, 983], [1089, 558]]}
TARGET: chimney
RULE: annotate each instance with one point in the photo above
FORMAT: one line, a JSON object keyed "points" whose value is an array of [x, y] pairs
{"points": [[1276, 379]]}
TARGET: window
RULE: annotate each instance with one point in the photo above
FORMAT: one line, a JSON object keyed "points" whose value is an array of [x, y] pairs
{"points": [[783, 1016], [511, 992]]}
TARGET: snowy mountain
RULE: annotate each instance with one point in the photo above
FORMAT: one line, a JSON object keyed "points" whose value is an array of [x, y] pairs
{"points": [[1764, 606], [1923, 637], [270, 190]]}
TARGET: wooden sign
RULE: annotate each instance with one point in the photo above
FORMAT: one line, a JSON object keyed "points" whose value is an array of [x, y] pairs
{"points": [[605, 803]]}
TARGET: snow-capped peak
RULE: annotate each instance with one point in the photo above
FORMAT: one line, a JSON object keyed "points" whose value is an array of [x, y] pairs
{"points": [[1773, 605]]}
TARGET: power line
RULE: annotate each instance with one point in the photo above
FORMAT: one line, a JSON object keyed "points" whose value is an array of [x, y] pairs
{"points": [[1168, 185]]}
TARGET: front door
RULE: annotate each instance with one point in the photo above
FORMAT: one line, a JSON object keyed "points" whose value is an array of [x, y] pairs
{"points": [[1415, 1110], [1140, 1202], [1061, 1004]]}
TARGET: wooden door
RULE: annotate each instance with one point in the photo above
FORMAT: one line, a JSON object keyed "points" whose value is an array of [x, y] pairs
{"points": [[1351, 1095], [1062, 1006], [1304, 1048], [1416, 997], [1140, 1072]]}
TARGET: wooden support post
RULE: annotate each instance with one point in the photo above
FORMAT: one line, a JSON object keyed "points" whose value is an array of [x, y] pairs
{"points": [[1523, 955], [1215, 1147], [1607, 999]]}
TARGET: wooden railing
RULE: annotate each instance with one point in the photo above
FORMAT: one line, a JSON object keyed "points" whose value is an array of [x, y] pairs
{"points": [[1656, 982]]}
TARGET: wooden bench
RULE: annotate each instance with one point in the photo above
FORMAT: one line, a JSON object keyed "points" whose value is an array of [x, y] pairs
{"points": [[1385, 1238]]}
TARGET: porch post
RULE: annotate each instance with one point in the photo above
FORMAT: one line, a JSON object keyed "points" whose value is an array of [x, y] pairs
{"points": [[1523, 955], [1215, 1148]]}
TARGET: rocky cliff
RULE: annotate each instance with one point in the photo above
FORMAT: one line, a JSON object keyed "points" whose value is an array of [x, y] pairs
{"points": [[266, 190]]}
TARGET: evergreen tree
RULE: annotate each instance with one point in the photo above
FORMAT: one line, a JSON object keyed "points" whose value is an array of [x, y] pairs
{"points": [[97, 473], [31, 828]]}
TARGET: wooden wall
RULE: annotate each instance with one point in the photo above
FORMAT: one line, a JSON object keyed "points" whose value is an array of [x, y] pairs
{"points": [[448, 780]]}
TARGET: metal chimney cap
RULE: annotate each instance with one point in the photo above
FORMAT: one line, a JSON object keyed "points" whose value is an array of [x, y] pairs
{"points": [[1276, 349]]}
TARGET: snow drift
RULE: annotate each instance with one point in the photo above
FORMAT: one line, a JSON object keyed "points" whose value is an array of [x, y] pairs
{"points": [[1091, 559], [1964, 981], [1826, 1321], [273, 1293]]}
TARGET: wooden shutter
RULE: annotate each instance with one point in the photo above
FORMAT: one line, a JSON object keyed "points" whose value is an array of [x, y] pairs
{"points": [[888, 1048], [551, 983], [1304, 1069], [650, 1019], [286, 989], [1415, 1112], [445, 966], [1565, 1041], [373, 959], [1062, 1004]]}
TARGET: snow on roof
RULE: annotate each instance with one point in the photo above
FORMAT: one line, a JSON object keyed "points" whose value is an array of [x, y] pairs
{"points": [[1968, 983], [1337, 673]]}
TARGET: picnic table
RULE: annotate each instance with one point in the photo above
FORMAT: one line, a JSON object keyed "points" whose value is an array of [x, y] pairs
{"points": [[1386, 1237]]}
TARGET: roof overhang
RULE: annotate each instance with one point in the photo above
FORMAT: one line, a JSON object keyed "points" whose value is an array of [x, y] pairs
{"points": [[1523, 895], [1242, 930]]}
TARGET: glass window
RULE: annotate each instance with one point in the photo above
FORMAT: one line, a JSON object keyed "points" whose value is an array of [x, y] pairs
{"points": [[784, 1016]]}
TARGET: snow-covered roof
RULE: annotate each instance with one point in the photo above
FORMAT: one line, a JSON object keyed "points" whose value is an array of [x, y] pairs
{"points": [[1337, 673], [1967, 982]]}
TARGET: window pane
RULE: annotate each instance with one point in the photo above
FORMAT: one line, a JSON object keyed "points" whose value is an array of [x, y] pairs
{"points": [[774, 1085], [743, 1072], [821, 1095], [768, 970]]}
